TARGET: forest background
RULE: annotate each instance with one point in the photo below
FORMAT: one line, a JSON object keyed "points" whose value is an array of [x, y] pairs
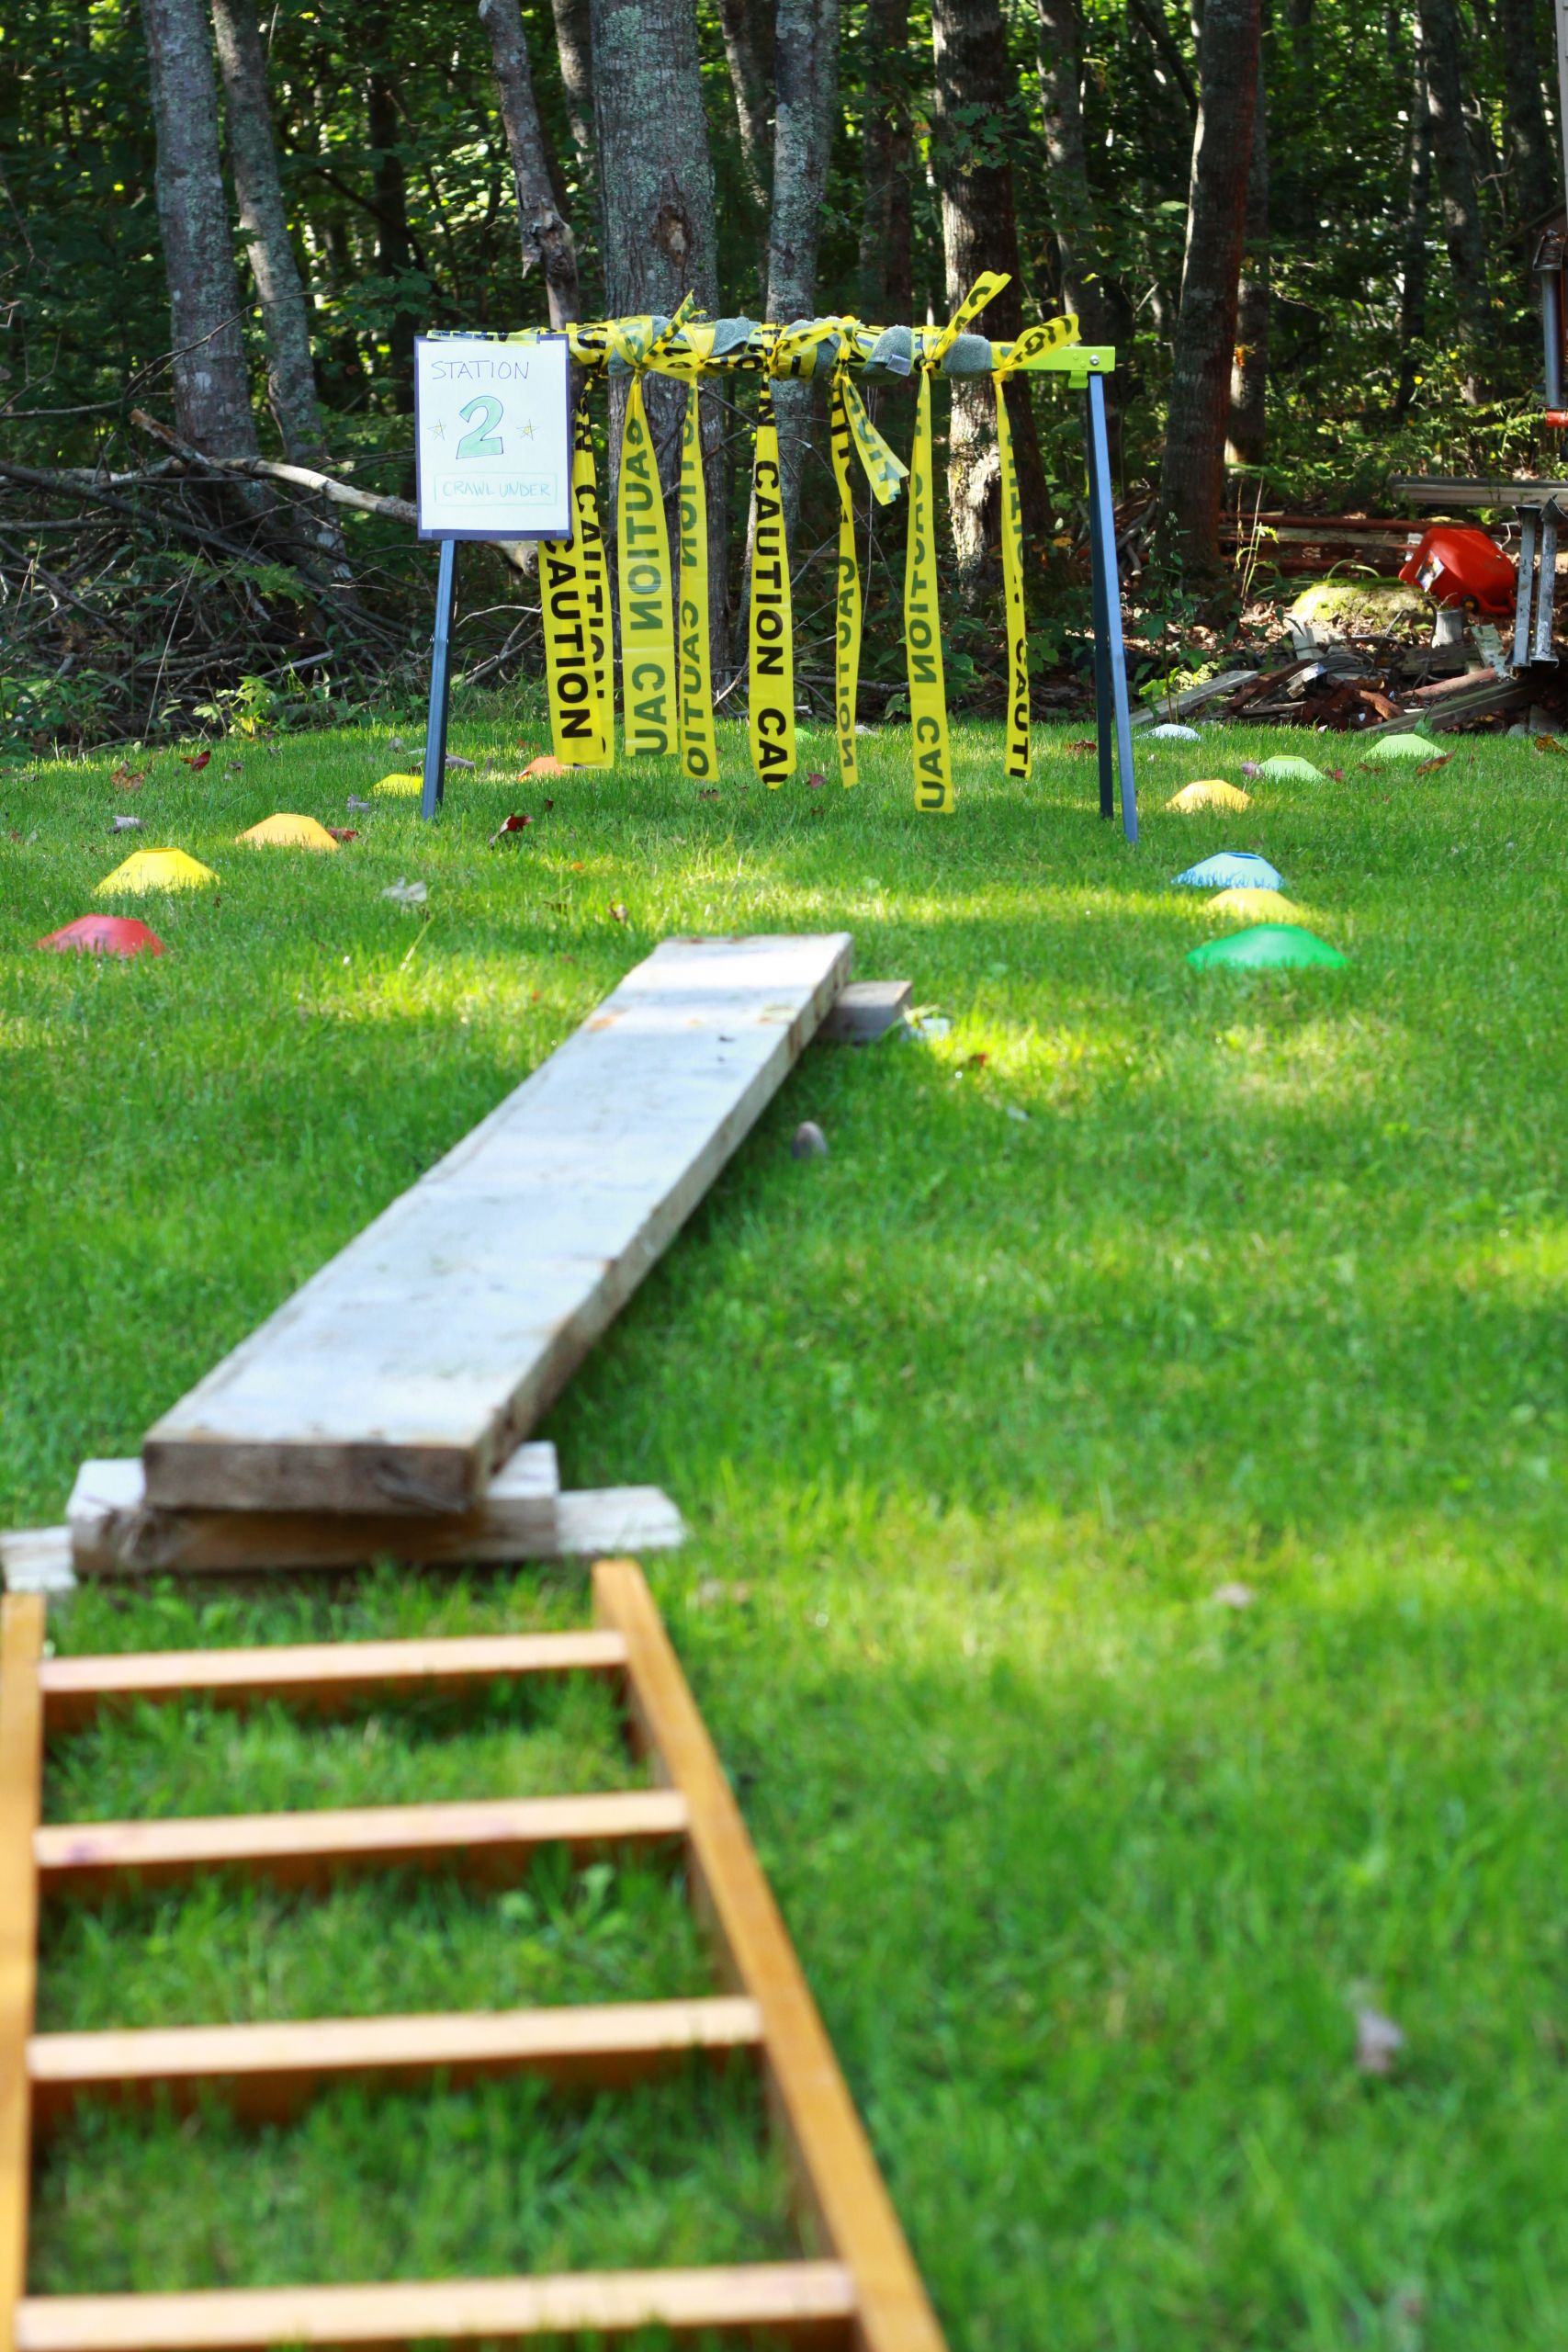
{"points": [[1306, 228]]}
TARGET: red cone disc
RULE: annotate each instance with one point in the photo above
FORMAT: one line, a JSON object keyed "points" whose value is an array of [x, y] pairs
{"points": [[105, 936]]}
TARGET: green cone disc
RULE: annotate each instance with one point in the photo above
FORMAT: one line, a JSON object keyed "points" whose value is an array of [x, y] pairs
{"points": [[1265, 947]]}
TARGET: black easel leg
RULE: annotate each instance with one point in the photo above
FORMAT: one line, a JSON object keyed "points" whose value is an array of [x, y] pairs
{"points": [[1111, 655], [440, 685]]}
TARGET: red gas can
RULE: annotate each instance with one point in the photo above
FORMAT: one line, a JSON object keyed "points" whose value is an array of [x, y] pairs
{"points": [[1457, 564]]}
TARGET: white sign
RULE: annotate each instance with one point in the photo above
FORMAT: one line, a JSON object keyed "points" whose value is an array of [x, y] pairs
{"points": [[492, 432]]}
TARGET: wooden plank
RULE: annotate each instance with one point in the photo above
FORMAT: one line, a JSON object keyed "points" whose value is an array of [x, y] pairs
{"points": [[866, 1010], [591, 1519], [21, 1778], [36, 1559], [1469, 490], [803, 2304], [834, 2164], [404, 1371], [493, 1839], [321, 1677], [268, 2073], [116, 1531]]}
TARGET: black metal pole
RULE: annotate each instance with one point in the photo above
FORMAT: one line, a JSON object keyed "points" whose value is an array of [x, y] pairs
{"points": [[1110, 650], [440, 685]]}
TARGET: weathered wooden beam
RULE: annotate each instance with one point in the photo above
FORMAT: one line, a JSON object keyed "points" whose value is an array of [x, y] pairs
{"points": [[405, 1372]]}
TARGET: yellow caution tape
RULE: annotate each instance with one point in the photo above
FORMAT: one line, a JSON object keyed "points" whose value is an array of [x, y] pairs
{"points": [[770, 634], [594, 579], [1018, 745], [847, 602], [647, 626], [575, 648], [699, 746], [922, 626]]}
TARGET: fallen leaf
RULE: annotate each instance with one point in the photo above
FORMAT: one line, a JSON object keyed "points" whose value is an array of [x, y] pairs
{"points": [[549, 804], [1251, 767], [513, 824], [711, 794], [809, 1142], [197, 763], [235, 767], [1424, 767], [1081, 743], [620, 913], [1377, 2042], [1547, 743], [1337, 774], [130, 779], [546, 765], [814, 782], [342, 832], [1233, 1596], [973, 1061]]}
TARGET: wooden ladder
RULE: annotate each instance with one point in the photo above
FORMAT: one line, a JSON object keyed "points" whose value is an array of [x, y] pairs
{"points": [[862, 2295]]}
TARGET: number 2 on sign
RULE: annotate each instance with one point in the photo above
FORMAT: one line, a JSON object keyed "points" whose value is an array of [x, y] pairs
{"points": [[484, 441]]}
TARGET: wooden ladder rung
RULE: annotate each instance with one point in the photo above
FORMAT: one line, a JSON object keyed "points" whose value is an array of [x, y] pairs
{"points": [[494, 1838], [803, 2303], [318, 1675], [267, 2072]]}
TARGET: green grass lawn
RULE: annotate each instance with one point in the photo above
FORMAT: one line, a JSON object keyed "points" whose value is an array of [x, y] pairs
{"points": [[1139, 1283]]}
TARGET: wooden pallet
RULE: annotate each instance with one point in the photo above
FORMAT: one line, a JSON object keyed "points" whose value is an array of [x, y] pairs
{"points": [[858, 2292]]}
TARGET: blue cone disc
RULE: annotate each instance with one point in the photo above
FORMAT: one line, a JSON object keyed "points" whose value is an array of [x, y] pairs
{"points": [[1233, 869]]}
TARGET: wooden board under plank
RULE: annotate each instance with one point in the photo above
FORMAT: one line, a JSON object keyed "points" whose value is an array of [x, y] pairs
{"points": [[405, 1372]]}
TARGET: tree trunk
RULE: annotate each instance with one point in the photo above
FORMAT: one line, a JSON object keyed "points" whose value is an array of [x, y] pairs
{"points": [[1192, 477], [212, 397], [1462, 230], [574, 46], [253, 158], [808, 76], [1413, 269], [749, 47], [394, 249], [1530, 154], [887, 261], [660, 240], [547, 239], [1249, 366], [1060, 28], [976, 90]]}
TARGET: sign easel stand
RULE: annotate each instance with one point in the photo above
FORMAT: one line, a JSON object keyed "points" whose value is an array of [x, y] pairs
{"points": [[440, 683]]}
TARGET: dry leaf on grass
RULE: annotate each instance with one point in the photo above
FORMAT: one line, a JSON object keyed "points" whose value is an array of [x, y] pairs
{"points": [[197, 763], [130, 779], [513, 824], [342, 832], [1547, 743], [1081, 743], [546, 765], [1424, 767], [1378, 2042]]}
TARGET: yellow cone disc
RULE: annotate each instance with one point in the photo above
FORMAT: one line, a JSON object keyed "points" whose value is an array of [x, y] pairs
{"points": [[1210, 792], [401, 787], [1248, 905], [155, 869], [284, 831]]}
